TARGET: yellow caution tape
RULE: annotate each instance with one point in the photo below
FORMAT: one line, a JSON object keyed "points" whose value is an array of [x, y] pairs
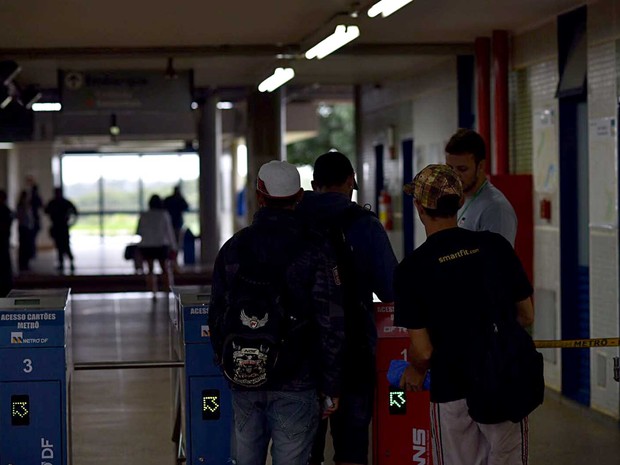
{"points": [[579, 343]]}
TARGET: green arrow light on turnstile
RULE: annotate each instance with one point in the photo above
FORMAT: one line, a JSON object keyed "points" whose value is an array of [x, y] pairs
{"points": [[211, 404], [398, 403], [20, 410]]}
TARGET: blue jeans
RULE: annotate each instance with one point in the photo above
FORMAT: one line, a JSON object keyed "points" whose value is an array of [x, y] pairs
{"points": [[288, 418]]}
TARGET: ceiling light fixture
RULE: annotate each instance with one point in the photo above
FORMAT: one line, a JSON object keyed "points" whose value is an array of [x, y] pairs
{"points": [[5, 97], [225, 105], [115, 130], [47, 106], [340, 37], [29, 96], [279, 77], [386, 7]]}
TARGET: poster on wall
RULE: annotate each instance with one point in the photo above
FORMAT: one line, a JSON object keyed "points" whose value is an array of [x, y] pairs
{"points": [[603, 168], [545, 156]]}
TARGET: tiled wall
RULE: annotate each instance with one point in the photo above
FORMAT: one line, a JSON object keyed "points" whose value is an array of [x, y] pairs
{"points": [[542, 75], [543, 78], [603, 192], [425, 108]]}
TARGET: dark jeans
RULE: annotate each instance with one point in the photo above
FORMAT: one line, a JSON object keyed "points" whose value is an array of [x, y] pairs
{"points": [[288, 418]]}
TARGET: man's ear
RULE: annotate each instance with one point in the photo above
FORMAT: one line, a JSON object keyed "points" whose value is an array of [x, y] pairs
{"points": [[419, 208], [260, 198], [299, 196], [482, 166], [315, 188]]}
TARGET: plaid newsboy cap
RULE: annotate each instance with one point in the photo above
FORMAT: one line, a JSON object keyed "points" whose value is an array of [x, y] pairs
{"points": [[432, 183]]}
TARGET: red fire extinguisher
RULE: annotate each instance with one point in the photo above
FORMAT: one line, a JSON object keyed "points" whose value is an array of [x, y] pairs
{"points": [[386, 215]]}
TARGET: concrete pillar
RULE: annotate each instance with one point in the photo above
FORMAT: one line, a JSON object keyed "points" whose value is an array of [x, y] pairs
{"points": [[265, 139], [209, 130], [359, 137]]}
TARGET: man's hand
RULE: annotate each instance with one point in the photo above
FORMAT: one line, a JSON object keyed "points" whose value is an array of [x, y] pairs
{"points": [[328, 405], [412, 379]]}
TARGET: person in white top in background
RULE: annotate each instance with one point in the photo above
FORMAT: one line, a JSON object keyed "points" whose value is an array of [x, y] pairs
{"points": [[157, 242]]}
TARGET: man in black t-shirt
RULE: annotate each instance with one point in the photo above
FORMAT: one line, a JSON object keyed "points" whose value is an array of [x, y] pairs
{"points": [[440, 293]]}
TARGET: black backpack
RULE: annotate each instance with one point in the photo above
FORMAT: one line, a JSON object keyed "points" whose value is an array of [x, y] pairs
{"points": [[259, 323], [507, 381]]}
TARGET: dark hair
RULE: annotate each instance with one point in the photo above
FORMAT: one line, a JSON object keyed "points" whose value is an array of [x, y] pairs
{"points": [[155, 202], [467, 141], [280, 202], [447, 207], [332, 169]]}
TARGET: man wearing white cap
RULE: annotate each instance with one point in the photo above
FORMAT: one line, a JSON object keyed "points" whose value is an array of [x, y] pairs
{"points": [[279, 401]]}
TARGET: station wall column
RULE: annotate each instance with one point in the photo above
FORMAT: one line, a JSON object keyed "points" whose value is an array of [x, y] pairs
{"points": [[265, 138], [209, 130], [500, 99], [483, 92]]}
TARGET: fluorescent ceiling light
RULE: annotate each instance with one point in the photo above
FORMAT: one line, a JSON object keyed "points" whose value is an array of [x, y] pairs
{"points": [[341, 36], [279, 77], [46, 106], [224, 105], [386, 7]]}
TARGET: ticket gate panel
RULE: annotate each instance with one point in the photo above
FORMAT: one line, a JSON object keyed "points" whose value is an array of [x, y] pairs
{"points": [[199, 360], [32, 364], [32, 432], [404, 435], [209, 420], [401, 425]]}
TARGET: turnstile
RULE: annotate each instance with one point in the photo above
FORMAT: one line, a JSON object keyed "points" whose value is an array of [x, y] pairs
{"points": [[35, 377], [202, 418]]}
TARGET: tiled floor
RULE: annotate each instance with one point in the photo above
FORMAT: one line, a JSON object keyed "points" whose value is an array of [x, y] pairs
{"points": [[123, 416]]}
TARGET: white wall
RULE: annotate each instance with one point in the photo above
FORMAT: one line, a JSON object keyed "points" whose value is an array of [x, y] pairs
{"points": [[537, 50], [603, 192], [424, 108]]}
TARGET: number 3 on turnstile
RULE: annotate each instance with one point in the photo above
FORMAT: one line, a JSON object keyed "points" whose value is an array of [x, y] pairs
{"points": [[27, 365]]}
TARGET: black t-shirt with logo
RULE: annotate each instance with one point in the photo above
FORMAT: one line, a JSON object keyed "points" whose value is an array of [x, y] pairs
{"points": [[444, 285]]}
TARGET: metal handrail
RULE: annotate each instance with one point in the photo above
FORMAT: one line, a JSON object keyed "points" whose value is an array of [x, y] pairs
{"points": [[122, 365]]}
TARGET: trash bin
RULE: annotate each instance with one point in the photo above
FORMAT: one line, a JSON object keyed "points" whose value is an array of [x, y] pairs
{"points": [[189, 247]]}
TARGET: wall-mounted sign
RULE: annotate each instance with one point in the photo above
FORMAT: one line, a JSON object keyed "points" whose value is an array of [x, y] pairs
{"points": [[118, 91]]}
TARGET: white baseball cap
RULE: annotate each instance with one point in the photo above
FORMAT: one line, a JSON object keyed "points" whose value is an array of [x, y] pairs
{"points": [[278, 179]]}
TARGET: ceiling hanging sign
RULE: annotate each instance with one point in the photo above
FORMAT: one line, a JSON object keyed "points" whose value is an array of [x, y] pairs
{"points": [[125, 91]]}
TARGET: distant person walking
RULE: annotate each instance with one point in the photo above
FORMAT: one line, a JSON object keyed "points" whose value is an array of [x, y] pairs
{"points": [[36, 205], [6, 269], [158, 240], [25, 225], [176, 205], [63, 214]]}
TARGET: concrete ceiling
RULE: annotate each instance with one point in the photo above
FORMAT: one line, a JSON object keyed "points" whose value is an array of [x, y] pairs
{"points": [[235, 43]]}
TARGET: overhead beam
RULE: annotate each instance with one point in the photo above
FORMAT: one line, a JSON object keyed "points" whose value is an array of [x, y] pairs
{"points": [[290, 51]]}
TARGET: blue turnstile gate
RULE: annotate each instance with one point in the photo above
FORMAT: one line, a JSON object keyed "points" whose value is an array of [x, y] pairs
{"points": [[35, 373], [203, 412]]}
